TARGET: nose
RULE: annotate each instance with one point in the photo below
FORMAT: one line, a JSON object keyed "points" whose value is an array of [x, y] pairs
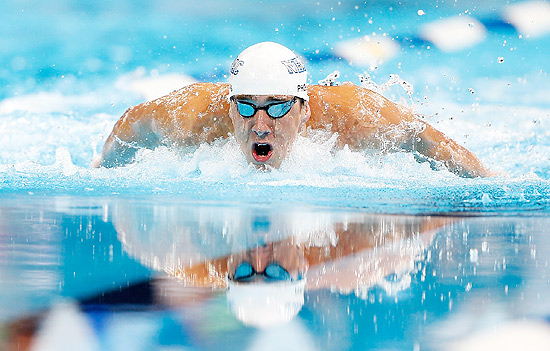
{"points": [[260, 258], [261, 128], [261, 134]]}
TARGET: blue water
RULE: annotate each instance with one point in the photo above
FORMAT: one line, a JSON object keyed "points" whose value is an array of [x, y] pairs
{"points": [[69, 69], [99, 264]]}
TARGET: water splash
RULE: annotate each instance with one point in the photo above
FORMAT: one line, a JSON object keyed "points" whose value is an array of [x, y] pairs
{"points": [[367, 83], [331, 79]]}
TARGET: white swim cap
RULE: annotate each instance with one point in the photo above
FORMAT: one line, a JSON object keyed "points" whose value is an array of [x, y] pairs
{"points": [[268, 69], [262, 305]]}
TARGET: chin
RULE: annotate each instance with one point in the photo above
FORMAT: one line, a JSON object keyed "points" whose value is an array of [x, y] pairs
{"points": [[272, 163]]}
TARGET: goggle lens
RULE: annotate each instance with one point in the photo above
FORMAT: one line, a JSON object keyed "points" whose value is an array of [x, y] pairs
{"points": [[273, 271], [245, 109], [274, 110], [280, 109], [276, 272], [244, 270]]}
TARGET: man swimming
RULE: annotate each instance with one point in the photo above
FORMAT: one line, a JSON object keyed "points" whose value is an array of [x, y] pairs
{"points": [[266, 104]]}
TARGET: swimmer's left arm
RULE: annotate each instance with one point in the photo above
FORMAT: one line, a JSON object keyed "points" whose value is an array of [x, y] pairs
{"points": [[363, 118], [455, 157], [419, 136]]}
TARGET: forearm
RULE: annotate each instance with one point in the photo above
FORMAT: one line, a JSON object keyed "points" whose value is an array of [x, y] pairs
{"points": [[363, 118], [459, 160], [132, 132], [414, 134], [118, 152]]}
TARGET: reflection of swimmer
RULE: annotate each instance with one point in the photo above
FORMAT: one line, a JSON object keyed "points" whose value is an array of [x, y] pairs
{"points": [[267, 267], [266, 104]]}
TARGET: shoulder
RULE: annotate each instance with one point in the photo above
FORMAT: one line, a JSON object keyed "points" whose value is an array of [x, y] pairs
{"points": [[346, 95], [341, 93], [193, 98], [196, 91]]}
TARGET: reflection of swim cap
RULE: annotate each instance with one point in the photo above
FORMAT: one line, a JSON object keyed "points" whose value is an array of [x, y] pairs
{"points": [[263, 305], [268, 69]]}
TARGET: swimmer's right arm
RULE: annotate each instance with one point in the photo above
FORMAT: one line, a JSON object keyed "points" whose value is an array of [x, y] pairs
{"points": [[189, 116], [127, 137]]}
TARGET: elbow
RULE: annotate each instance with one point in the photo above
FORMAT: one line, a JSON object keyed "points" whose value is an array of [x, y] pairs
{"points": [[116, 154]]}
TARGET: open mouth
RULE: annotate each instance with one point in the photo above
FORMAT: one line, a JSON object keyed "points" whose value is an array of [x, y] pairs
{"points": [[262, 151]]}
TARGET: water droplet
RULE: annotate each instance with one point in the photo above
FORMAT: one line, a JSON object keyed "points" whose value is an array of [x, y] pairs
{"points": [[473, 255], [421, 12]]}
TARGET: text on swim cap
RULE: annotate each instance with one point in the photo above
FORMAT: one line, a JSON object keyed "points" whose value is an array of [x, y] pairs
{"points": [[235, 66], [294, 65]]}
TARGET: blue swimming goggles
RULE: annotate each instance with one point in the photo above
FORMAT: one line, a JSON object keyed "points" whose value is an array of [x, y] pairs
{"points": [[273, 110], [273, 272]]}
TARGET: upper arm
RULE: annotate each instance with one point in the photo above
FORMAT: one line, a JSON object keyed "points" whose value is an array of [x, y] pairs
{"points": [[194, 114], [363, 118], [459, 160]]}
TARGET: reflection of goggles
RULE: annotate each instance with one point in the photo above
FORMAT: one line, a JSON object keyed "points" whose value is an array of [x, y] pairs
{"points": [[273, 110], [273, 272]]}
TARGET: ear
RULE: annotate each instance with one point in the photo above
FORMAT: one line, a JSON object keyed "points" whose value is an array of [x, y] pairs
{"points": [[232, 113], [306, 114]]}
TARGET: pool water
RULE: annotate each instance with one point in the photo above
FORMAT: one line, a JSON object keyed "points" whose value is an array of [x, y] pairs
{"points": [[97, 273], [451, 263]]}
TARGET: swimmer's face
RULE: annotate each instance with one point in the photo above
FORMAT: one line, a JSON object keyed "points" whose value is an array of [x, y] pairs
{"points": [[264, 140], [284, 253]]}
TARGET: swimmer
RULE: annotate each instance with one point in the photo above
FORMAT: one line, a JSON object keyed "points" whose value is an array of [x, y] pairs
{"points": [[267, 259], [266, 104]]}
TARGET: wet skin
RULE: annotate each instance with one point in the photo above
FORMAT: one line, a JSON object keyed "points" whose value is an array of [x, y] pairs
{"points": [[201, 112], [266, 141]]}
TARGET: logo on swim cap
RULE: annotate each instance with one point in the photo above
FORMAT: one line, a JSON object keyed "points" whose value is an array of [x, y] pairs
{"points": [[235, 66], [294, 66], [270, 69]]}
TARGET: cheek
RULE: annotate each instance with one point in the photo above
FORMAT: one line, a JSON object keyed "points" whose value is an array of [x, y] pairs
{"points": [[292, 258], [288, 130], [240, 126]]}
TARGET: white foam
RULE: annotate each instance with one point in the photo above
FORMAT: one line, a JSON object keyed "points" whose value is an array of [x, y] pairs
{"points": [[153, 85], [137, 86], [454, 33], [291, 336], [34, 137], [531, 18], [64, 162], [47, 102], [65, 329], [527, 335], [367, 51], [52, 150]]}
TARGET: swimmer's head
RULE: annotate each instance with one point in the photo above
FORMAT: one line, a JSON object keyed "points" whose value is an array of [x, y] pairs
{"points": [[264, 305], [268, 69], [268, 102], [266, 285]]}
